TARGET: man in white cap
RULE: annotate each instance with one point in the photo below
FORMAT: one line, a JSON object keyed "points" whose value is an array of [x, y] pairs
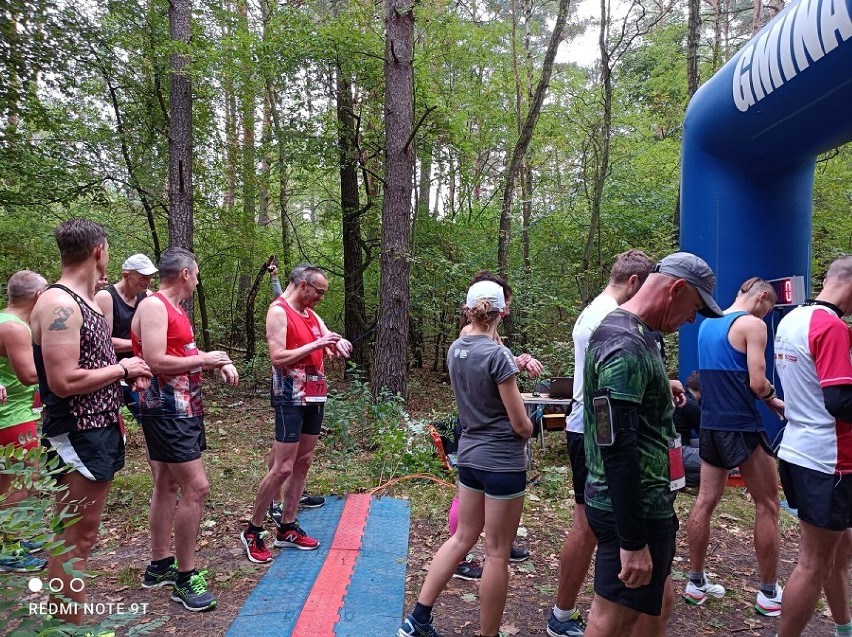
{"points": [[118, 302]]}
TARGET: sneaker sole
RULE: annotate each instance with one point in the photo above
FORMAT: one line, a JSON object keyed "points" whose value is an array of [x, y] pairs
{"points": [[519, 559], [175, 598], [695, 601], [158, 584], [34, 569], [311, 506], [767, 612], [466, 578], [280, 544], [571, 634], [249, 555]]}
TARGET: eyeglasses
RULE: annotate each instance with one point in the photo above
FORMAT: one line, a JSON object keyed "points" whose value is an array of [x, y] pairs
{"points": [[319, 291]]}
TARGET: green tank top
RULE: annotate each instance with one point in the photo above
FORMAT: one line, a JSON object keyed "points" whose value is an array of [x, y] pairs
{"points": [[18, 407]]}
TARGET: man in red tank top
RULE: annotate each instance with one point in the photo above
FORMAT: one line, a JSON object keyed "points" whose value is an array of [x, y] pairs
{"points": [[298, 340], [172, 417]]}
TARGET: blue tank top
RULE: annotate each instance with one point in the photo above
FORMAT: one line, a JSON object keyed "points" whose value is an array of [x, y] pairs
{"points": [[727, 402]]}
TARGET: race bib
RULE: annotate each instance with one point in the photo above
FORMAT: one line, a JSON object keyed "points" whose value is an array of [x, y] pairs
{"points": [[677, 474], [316, 389]]}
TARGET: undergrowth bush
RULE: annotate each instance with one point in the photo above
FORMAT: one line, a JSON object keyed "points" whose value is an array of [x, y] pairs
{"points": [[36, 519], [379, 431]]}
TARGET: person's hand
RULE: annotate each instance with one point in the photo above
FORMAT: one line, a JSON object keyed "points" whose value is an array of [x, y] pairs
{"points": [[533, 366], [329, 340], [678, 393], [776, 406], [229, 374], [139, 384], [3, 395], [636, 567], [343, 348], [273, 271], [215, 359], [135, 367]]}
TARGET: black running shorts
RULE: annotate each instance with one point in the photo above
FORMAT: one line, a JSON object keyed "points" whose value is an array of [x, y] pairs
{"points": [[579, 470], [728, 449], [174, 440], [97, 454], [823, 500], [646, 599], [291, 421]]}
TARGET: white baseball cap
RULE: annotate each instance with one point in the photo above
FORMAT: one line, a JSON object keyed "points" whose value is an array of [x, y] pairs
{"points": [[488, 291], [139, 263]]}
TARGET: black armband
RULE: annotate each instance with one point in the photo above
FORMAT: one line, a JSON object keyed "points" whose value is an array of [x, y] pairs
{"points": [[838, 401]]}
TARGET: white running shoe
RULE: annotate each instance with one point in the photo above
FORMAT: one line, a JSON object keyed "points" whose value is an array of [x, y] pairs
{"points": [[769, 606], [697, 595]]}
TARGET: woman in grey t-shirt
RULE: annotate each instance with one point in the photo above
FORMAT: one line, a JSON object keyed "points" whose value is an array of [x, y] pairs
{"points": [[492, 464]]}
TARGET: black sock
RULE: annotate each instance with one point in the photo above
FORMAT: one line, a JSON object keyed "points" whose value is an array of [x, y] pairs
{"points": [[254, 529], [422, 614], [163, 564], [183, 576]]}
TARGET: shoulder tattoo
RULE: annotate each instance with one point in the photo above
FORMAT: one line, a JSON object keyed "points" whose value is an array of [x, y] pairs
{"points": [[62, 313]]}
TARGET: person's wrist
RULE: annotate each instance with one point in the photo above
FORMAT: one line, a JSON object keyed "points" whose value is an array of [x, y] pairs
{"points": [[124, 369], [769, 395]]}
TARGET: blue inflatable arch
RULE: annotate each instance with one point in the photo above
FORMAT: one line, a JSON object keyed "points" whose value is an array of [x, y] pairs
{"points": [[751, 137]]}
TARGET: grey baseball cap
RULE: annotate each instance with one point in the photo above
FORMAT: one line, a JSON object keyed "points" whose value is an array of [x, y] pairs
{"points": [[695, 271]]}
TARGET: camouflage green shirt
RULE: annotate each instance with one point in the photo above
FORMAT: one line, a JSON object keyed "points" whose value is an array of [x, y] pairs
{"points": [[623, 357]]}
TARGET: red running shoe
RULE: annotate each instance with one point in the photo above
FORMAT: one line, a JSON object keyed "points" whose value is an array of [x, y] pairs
{"points": [[255, 548], [293, 536]]}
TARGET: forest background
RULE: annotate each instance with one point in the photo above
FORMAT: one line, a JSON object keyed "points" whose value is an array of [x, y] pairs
{"points": [[401, 147]]}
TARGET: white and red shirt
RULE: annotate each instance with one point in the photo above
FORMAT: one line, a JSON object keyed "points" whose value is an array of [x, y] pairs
{"points": [[812, 351]]}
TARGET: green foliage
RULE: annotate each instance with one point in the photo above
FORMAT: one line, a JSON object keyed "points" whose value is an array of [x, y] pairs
{"points": [[380, 430], [36, 519]]}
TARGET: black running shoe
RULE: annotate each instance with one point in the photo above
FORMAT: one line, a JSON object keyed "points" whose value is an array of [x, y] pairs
{"points": [[155, 578], [193, 594], [310, 501], [274, 512], [518, 554]]}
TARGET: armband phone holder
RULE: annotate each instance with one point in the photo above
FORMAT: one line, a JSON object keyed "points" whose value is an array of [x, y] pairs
{"points": [[604, 421]]}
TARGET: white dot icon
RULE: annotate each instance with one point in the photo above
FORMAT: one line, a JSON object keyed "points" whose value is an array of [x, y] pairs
{"points": [[35, 584]]}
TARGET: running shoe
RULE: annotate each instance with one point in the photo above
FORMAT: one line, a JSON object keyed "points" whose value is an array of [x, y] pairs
{"points": [[156, 578], [193, 593], [311, 501], [518, 554], [32, 547], [411, 628], [697, 595], [769, 606], [293, 536], [468, 570], [274, 512], [20, 561], [573, 627], [255, 548]]}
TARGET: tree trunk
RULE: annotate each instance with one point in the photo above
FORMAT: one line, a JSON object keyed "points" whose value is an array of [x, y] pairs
{"points": [[180, 134], [354, 314], [520, 150], [601, 157], [693, 78], [391, 367]]}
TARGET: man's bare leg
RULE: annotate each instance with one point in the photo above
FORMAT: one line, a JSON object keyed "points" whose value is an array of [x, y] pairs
{"points": [[84, 498]]}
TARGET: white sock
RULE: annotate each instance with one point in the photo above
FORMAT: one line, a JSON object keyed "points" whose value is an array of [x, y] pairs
{"points": [[563, 615]]}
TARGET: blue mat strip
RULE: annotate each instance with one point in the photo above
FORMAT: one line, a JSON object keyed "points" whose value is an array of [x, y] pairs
{"points": [[276, 602], [374, 601]]}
